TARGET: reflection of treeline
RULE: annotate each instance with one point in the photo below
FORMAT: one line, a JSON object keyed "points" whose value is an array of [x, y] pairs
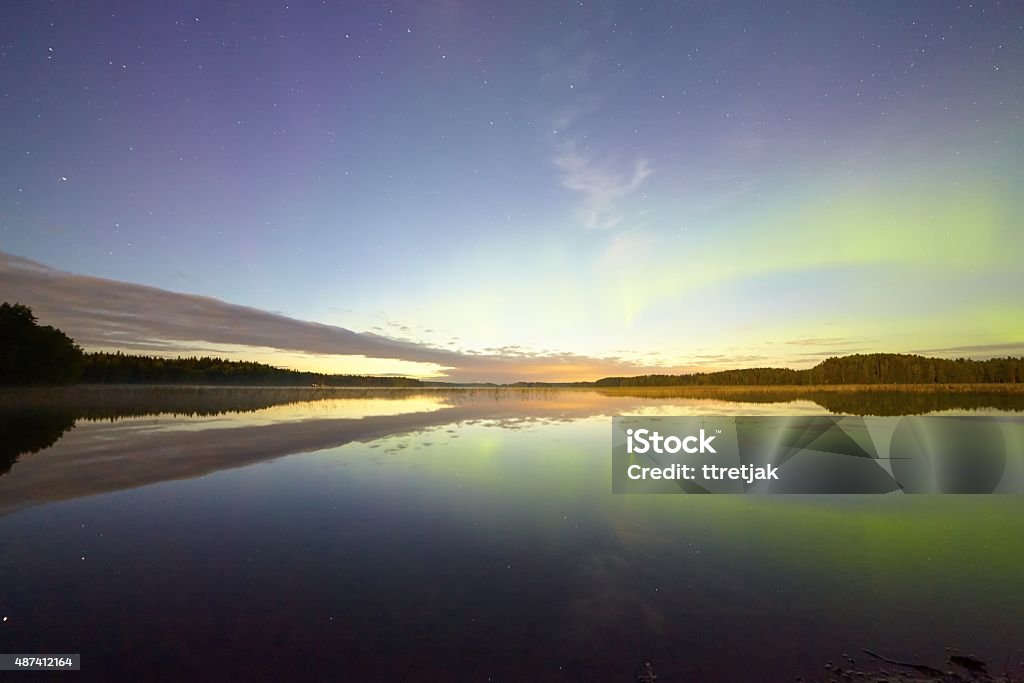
{"points": [[98, 402], [915, 402], [28, 431], [851, 399], [118, 368], [875, 368]]}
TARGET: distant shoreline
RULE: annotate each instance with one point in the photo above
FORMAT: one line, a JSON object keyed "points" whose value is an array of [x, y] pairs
{"points": [[955, 387], [102, 401], [853, 370], [985, 387]]}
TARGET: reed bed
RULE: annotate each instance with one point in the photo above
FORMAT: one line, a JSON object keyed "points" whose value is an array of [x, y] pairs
{"points": [[101, 400]]}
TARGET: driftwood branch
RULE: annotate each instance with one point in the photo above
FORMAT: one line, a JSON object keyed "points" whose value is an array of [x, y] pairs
{"points": [[920, 668]]}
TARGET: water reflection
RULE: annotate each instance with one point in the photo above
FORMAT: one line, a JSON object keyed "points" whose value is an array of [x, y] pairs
{"points": [[464, 535], [98, 402], [29, 431], [841, 400], [133, 436]]}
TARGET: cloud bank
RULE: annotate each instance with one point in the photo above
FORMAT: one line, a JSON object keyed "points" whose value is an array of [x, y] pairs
{"points": [[107, 314]]}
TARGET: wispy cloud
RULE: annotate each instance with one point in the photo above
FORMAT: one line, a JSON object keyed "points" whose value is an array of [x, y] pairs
{"points": [[978, 350], [567, 69], [602, 184], [818, 341]]}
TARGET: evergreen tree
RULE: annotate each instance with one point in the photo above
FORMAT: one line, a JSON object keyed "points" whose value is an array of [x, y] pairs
{"points": [[31, 353]]}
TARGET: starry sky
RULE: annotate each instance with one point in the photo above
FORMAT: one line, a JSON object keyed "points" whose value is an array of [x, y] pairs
{"points": [[536, 190]]}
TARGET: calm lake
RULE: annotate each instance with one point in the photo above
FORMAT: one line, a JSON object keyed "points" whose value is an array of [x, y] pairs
{"points": [[396, 535]]}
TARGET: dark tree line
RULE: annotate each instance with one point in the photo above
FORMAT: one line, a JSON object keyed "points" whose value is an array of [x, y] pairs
{"points": [[874, 368], [119, 368], [31, 353]]}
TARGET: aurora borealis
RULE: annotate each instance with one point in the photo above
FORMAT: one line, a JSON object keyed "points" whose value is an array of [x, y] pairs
{"points": [[493, 191]]}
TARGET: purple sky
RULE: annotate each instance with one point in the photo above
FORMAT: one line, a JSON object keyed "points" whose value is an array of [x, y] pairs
{"points": [[517, 189]]}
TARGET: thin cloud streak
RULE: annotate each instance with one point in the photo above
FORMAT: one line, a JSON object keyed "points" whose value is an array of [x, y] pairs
{"points": [[979, 350]]}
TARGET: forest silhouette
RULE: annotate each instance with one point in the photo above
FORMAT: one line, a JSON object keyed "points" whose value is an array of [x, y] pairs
{"points": [[31, 353]]}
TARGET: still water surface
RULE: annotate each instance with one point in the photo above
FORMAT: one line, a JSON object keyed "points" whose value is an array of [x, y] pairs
{"points": [[466, 535]]}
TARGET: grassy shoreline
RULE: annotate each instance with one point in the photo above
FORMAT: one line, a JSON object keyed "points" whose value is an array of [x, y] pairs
{"points": [[102, 400]]}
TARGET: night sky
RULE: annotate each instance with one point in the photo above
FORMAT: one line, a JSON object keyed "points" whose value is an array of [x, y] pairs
{"points": [[543, 190]]}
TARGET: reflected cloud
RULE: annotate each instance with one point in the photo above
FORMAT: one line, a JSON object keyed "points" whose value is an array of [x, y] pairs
{"points": [[188, 438], [99, 458]]}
